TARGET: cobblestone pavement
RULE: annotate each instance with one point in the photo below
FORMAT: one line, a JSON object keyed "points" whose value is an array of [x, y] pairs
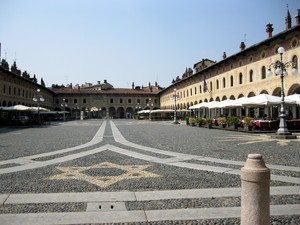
{"points": [[138, 172]]}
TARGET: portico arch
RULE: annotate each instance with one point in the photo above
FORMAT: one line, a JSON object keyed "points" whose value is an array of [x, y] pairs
{"points": [[294, 89]]}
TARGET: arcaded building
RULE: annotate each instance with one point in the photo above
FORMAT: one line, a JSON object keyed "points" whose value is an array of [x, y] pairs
{"points": [[19, 88], [243, 74], [106, 102]]}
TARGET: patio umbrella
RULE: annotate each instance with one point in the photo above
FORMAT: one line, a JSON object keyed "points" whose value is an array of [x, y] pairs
{"points": [[294, 97], [203, 105], [39, 109], [263, 100], [16, 108], [225, 104]]}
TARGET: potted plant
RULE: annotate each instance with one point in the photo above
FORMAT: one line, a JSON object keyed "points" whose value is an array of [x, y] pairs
{"points": [[222, 122], [233, 122], [199, 122], [209, 122], [187, 120], [192, 121], [248, 123]]}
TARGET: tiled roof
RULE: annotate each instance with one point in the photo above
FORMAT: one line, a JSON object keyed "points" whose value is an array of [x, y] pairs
{"points": [[111, 91]]}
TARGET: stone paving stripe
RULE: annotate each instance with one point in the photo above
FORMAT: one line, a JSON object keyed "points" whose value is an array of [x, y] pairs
{"points": [[293, 180], [3, 198], [193, 214], [137, 216], [214, 213], [201, 167], [73, 218], [28, 159], [137, 196], [71, 197], [188, 194], [105, 206], [286, 210], [37, 164]]}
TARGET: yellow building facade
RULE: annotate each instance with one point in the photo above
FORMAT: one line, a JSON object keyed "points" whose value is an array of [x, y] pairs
{"points": [[241, 75]]}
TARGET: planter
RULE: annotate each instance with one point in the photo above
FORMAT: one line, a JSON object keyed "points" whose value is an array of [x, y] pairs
{"points": [[222, 125], [248, 128], [209, 126], [235, 126]]}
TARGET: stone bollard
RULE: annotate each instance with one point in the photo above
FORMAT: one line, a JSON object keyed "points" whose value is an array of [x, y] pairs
{"points": [[255, 196]]}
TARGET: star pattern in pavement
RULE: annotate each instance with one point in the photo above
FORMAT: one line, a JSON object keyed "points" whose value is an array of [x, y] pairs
{"points": [[250, 139], [80, 173]]}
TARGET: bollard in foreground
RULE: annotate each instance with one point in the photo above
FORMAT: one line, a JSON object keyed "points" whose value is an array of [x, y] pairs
{"points": [[255, 196]]}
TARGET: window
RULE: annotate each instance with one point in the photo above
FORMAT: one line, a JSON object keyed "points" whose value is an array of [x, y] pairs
{"points": [[187, 93], [138, 101], [191, 91], [217, 84], [121, 100], [75, 100], [251, 76], [263, 72], [195, 90], [224, 82], [241, 78], [231, 81], [9, 90], [111, 100], [210, 86], [295, 62], [200, 89], [57, 101], [84, 101], [66, 100], [129, 101], [4, 89]]}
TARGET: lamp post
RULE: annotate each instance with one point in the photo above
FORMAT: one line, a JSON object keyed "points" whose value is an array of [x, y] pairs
{"points": [[38, 98], [149, 104], [280, 69], [64, 105], [76, 108], [175, 97]]}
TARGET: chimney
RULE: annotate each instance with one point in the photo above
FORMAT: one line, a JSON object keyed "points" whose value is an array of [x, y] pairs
{"points": [[288, 20], [105, 81], [297, 17], [224, 55], [132, 85], [242, 46], [269, 30]]}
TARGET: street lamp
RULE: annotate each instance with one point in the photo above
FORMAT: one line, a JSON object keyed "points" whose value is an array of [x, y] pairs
{"points": [[38, 98], [280, 69], [149, 104], [138, 107], [64, 105], [175, 97], [76, 108]]}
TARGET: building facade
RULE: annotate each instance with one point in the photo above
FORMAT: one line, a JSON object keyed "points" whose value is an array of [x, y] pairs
{"points": [[110, 103], [20, 89], [243, 74]]}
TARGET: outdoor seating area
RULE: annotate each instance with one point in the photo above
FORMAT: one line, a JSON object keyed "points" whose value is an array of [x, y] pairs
{"points": [[20, 115], [260, 112]]}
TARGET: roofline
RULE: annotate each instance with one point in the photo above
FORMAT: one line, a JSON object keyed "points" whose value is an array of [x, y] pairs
{"points": [[264, 42], [26, 80]]}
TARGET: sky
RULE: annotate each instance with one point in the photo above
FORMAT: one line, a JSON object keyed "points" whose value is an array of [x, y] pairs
{"points": [[125, 41]]}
